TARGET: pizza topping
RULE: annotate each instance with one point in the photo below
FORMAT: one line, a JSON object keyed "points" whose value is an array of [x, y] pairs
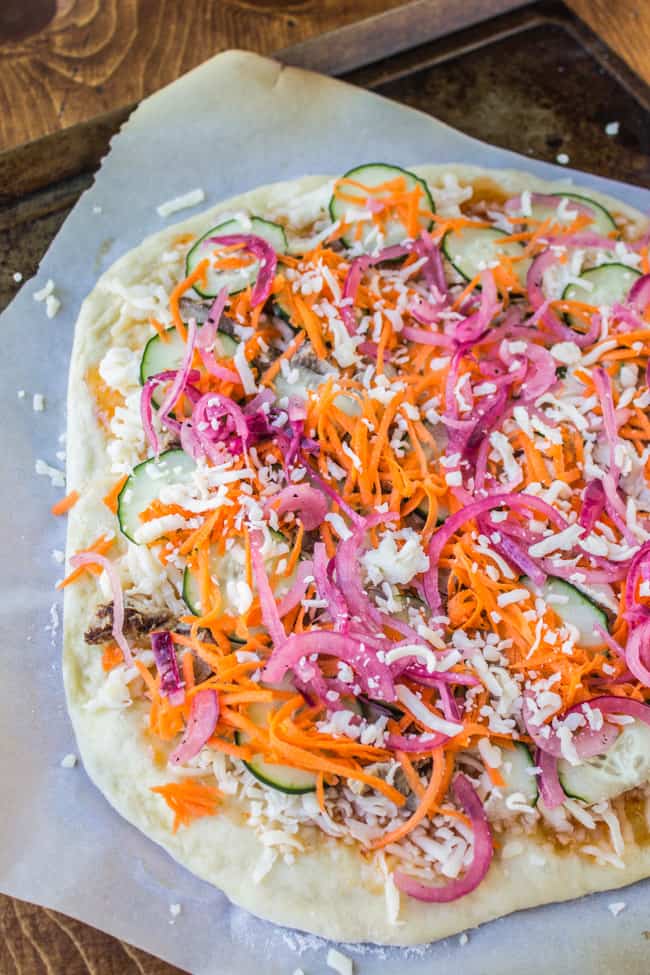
{"points": [[481, 858], [407, 512]]}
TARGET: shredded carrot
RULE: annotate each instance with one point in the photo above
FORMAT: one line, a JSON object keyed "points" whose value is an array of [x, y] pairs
{"points": [[430, 797], [63, 506], [100, 546], [162, 331], [111, 657], [198, 274], [189, 801], [110, 500]]}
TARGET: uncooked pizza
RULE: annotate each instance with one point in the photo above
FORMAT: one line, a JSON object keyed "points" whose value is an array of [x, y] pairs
{"points": [[357, 619]]}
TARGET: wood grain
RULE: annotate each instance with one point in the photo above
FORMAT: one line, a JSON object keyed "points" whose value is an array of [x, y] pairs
{"points": [[35, 941], [624, 25], [97, 55]]}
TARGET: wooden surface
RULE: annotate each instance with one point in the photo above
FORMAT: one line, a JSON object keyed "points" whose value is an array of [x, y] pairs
{"points": [[65, 61]]}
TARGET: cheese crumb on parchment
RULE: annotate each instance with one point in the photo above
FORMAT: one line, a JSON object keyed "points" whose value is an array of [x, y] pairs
{"points": [[339, 963], [69, 761], [180, 203], [46, 294]]}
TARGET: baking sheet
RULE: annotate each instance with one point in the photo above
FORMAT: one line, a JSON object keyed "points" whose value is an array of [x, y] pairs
{"points": [[235, 122]]}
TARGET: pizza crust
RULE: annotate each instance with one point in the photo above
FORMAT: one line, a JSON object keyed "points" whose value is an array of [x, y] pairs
{"points": [[330, 889]]}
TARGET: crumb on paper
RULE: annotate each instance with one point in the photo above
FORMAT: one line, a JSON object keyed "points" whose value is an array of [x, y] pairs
{"points": [[58, 556], [97, 209], [174, 910], [38, 402], [298, 971], [463, 939], [612, 128], [339, 963], [181, 203], [21, 394], [56, 476], [17, 276], [60, 455], [616, 907], [52, 305], [562, 158], [69, 761], [44, 293]]}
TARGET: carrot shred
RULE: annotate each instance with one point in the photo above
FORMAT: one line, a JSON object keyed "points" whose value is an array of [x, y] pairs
{"points": [[65, 504], [189, 801], [110, 499]]}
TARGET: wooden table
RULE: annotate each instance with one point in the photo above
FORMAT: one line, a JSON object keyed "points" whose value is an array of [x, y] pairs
{"points": [[66, 61]]}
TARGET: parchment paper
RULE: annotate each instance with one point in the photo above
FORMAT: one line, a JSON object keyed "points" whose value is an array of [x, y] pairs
{"points": [[235, 122]]}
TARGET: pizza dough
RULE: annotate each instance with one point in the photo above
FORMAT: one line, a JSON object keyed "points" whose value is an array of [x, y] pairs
{"points": [[330, 888]]}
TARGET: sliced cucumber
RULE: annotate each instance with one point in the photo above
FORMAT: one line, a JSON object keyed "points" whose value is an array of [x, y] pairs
{"points": [[302, 380], [229, 567], [624, 766], [602, 222], [610, 284], [239, 278], [144, 484], [160, 356], [474, 249], [294, 781], [573, 607], [516, 771], [355, 214]]}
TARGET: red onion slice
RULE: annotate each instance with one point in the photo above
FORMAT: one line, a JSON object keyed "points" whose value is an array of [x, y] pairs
{"points": [[639, 295], [164, 653], [270, 614], [298, 590], [451, 525], [414, 743], [551, 791], [588, 742], [92, 558], [309, 504], [374, 676], [182, 375], [348, 575], [266, 256], [204, 714], [208, 333], [465, 796]]}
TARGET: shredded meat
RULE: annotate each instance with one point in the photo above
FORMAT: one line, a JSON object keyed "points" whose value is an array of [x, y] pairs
{"points": [[192, 308], [139, 620], [423, 767]]}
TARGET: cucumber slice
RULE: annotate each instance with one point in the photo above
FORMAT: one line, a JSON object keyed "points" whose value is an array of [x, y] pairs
{"points": [[284, 778], [473, 249], [573, 607], [143, 487], [602, 223], [610, 283], [625, 766], [303, 380], [159, 356], [239, 278], [229, 567], [371, 175], [516, 771]]}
